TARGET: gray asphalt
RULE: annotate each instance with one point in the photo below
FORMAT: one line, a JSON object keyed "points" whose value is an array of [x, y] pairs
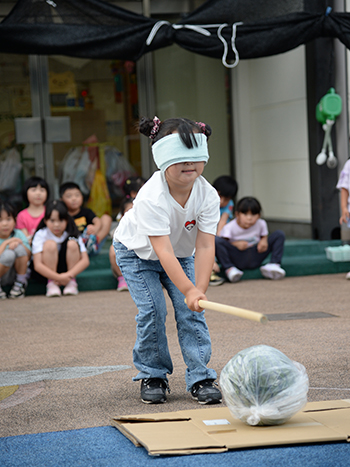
{"points": [[66, 363]]}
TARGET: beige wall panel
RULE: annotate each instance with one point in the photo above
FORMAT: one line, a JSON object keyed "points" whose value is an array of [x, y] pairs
{"points": [[270, 127], [282, 189]]}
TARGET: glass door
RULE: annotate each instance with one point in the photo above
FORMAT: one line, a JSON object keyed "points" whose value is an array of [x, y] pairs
{"points": [[100, 98], [63, 118], [17, 161]]}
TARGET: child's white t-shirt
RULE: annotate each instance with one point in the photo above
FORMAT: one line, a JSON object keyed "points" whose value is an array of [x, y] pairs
{"points": [[42, 235], [156, 213], [344, 179], [233, 232]]}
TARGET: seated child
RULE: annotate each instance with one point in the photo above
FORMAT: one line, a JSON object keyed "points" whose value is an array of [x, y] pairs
{"points": [[132, 185], [125, 205], [59, 253], [244, 243], [227, 188], [35, 194], [14, 253], [94, 230], [344, 186]]}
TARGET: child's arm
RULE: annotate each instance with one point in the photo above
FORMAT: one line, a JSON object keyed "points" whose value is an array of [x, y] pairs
{"points": [[13, 243], [81, 265], [92, 229], [5, 243], [204, 258], [172, 267], [344, 196], [263, 244], [223, 220], [42, 269]]}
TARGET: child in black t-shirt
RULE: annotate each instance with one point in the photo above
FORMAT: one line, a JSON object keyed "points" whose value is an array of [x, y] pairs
{"points": [[94, 230]]}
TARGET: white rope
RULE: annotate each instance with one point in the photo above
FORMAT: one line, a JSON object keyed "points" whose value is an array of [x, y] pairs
{"points": [[194, 27], [203, 29], [154, 31]]}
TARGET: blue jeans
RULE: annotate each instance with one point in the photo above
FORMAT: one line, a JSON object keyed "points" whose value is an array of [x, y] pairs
{"points": [[151, 353]]}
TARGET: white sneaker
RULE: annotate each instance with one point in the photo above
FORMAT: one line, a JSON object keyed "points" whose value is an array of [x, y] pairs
{"points": [[272, 271], [234, 274], [71, 288], [347, 276], [52, 290]]}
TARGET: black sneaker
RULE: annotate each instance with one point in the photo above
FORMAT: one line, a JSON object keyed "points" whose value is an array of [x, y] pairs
{"points": [[18, 290], [205, 392], [216, 279], [153, 390]]}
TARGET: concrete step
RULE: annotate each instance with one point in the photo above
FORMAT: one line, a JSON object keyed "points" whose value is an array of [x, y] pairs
{"points": [[301, 258]]}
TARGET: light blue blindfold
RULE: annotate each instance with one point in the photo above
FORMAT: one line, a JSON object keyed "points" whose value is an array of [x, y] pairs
{"points": [[171, 150]]}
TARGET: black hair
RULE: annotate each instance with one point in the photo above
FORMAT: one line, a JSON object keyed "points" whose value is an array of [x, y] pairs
{"points": [[68, 186], [248, 204], [61, 208], [185, 127], [226, 186], [8, 208], [33, 182], [133, 183], [124, 202]]}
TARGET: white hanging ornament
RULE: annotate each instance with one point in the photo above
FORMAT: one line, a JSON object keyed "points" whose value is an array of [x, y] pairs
{"points": [[321, 158]]}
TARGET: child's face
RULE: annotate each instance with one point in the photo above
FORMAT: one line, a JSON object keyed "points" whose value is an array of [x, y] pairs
{"points": [[224, 200], [184, 172], [36, 195], [73, 199], [246, 220], [55, 224], [7, 224]]}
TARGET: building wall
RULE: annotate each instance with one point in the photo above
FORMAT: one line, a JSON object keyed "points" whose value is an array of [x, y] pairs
{"points": [[270, 134], [192, 86]]}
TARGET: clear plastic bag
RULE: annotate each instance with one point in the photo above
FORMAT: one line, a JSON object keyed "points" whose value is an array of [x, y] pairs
{"points": [[10, 170], [76, 167], [262, 386]]}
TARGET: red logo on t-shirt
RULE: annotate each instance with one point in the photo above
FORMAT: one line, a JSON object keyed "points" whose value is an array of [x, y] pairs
{"points": [[189, 225]]}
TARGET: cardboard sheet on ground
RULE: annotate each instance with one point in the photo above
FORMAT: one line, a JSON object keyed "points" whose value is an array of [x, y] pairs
{"points": [[213, 430]]}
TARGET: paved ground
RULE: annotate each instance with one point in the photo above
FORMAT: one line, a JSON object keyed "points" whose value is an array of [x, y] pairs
{"points": [[62, 360]]}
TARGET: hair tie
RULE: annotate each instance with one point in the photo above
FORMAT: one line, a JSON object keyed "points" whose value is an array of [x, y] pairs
{"points": [[202, 126], [155, 129]]}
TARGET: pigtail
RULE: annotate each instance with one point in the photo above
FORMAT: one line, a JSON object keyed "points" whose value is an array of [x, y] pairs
{"points": [[72, 228], [204, 128], [149, 127]]}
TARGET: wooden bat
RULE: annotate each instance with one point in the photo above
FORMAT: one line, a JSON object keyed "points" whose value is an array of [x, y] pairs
{"points": [[232, 310]]}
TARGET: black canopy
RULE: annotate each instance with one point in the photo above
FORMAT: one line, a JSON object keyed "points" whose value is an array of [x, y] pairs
{"points": [[97, 29]]}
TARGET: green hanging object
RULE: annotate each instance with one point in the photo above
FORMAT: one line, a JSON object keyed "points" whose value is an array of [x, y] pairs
{"points": [[329, 107], [327, 110]]}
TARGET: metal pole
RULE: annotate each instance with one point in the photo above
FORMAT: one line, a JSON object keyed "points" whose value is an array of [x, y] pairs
{"points": [[145, 84]]}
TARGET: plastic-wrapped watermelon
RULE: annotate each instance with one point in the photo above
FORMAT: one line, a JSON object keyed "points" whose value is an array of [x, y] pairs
{"points": [[262, 386]]}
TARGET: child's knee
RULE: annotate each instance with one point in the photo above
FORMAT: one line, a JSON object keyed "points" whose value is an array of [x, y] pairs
{"points": [[280, 234], [7, 258], [50, 246], [72, 246], [20, 251]]}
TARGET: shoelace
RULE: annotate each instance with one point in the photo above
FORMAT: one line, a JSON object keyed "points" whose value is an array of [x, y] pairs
{"points": [[203, 384], [149, 382]]}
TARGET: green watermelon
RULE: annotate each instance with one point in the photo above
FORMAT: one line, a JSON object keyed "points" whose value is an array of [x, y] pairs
{"points": [[262, 386]]}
